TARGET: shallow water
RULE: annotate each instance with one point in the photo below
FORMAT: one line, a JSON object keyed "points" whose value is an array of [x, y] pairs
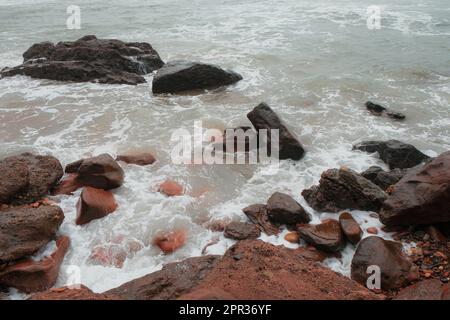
{"points": [[315, 62]]}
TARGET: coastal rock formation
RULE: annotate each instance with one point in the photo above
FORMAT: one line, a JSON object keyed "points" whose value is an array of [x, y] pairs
{"points": [[94, 204], [257, 213], [76, 292], [263, 117], [394, 153], [395, 269], [100, 172], [141, 159], [422, 196], [26, 178], [283, 209], [350, 228], [341, 189], [169, 283], [178, 76], [326, 236], [31, 276], [241, 231], [383, 179], [379, 110], [89, 60], [23, 231]]}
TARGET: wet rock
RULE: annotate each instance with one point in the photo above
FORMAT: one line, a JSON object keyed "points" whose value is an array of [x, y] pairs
{"points": [[171, 188], [263, 117], [422, 196], [94, 204], [326, 236], [241, 231], [142, 159], [283, 209], [177, 76], [100, 172], [169, 283], [382, 178], [350, 227], [171, 241], [89, 60], [379, 110], [27, 177], [242, 139], [341, 189], [23, 231], [432, 289], [31, 276], [269, 272], [257, 213], [394, 153], [292, 237], [76, 292], [396, 270], [67, 186], [109, 256], [372, 230]]}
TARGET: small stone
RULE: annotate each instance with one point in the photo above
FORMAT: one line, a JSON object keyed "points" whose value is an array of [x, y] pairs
{"points": [[292, 237], [171, 188], [372, 230]]}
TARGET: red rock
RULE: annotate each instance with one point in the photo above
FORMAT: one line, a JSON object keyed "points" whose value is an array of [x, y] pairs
{"points": [[241, 231], [171, 188], [372, 230], [94, 204], [326, 236], [67, 186], [70, 293], [141, 159], [171, 241], [257, 213], [208, 294], [111, 256], [350, 227], [30, 276], [292, 237], [424, 290]]}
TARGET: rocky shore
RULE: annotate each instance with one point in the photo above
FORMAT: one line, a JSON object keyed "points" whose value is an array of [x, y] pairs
{"points": [[410, 199]]}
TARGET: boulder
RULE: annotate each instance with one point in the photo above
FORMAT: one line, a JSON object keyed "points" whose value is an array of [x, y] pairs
{"points": [[350, 227], [283, 209], [31, 276], [263, 117], [67, 186], [94, 204], [383, 179], [241, 230], [255, 270], [432, 289], [177, 76], [100, 172], [344, 189], [171, 188], [379, 110], [169, 283], [26, 178], [326, 236], [89, 60], [171, 241], [23, 231], [78, 292], [141, 159], [422, 196], [257, 213], [396, 270], [394, 153]]}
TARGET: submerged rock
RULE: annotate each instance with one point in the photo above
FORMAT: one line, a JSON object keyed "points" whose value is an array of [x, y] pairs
{"points": [[177, 76], [94, 204], [89, 60], [422, 196], [341, 189], [171, 188], [141, 159], [171, 241], [283, 209], [383, 179], [326, 236], [379, 110]]}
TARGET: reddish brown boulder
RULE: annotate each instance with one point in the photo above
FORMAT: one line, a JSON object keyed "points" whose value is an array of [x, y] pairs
{"points": [[169, 283], [396, 269], [292, 237], [94, 204], [257, 213], [14, 178], [326, 236], [254, 270], [241, 230], [171, 241], [283, 209], [67, 186], [422, 196], [350, 227], [432, 289], [30, 275], [171, 188], [23, 231], [141, 159], [72, 293]]}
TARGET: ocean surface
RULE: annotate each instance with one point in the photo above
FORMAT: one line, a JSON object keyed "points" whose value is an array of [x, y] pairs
{"points": [[315, 62]]}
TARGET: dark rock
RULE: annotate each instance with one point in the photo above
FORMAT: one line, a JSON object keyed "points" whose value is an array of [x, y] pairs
{"points": [[394, 153], [375, 108], [169, 283], [242, 139], [350, 227], [326, 236], [26, 178], [379, 110], [94, 204], [432, 289], [263, 117], [382, 178], [23, 231], [241, 231], [435, 234], [257, 213], [78, 292], [180, 76], [396, 270], [283, 209], [89, 60], [422, 196], [141, 159], [341, 189]]}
